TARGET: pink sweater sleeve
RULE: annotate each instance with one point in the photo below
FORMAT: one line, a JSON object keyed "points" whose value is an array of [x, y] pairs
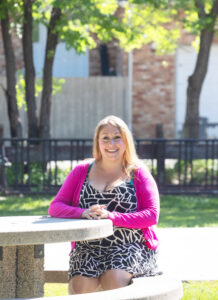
{"points": [[61, 206], [148, 204]]}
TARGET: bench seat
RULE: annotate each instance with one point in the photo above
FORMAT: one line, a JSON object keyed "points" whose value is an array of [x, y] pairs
{"points": [[144, 288]]}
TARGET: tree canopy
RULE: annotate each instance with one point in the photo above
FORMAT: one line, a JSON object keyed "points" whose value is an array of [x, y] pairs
{"points": [[82, 23]]}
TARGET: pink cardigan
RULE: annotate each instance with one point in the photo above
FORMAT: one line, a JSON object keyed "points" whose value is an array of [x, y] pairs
{"points": [[65, 204]]}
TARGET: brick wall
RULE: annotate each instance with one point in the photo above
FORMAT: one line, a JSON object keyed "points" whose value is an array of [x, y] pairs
{"points": [[153, 93]]}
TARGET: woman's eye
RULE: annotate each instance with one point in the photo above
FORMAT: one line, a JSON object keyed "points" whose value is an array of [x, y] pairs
{"points": [[117, 138], [105, 138]]}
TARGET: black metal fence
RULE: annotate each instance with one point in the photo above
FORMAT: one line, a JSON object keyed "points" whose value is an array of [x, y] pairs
{"points": [[41, 165]]}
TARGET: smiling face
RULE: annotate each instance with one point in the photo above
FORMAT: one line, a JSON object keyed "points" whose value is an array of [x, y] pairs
{"points": [[111, 143]]}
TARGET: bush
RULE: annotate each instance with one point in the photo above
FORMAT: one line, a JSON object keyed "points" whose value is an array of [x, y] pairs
{"points": [[36, 175]]}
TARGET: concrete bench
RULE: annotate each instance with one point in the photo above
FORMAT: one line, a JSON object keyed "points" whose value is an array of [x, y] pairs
{"points": [[146, 288]]}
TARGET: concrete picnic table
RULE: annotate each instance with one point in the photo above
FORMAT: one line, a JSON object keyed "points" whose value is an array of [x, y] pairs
{"points": [[22, 242]]}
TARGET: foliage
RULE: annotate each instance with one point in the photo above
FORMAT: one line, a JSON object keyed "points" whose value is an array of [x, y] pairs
{"points": [[196, 171], [141, 22], [145, 24], [36, 175], [83, 23], [57, 84]]}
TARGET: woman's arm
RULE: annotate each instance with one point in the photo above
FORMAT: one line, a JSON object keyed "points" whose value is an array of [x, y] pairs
{"points": [[148, 204], [61, 206]]}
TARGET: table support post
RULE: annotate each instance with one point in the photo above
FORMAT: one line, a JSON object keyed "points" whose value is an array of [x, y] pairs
{"points": [[8, 272], [22, 271], [30, 271]]}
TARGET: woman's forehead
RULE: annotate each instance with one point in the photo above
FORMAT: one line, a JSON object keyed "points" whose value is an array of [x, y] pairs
{"points": [[109, 129]]}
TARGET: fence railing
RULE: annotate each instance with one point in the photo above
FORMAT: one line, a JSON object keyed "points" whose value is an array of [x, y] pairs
{"points": [[41, 165]]}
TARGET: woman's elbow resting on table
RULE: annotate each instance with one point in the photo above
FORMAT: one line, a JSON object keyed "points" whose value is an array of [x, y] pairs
{"points": [[60, 210]]}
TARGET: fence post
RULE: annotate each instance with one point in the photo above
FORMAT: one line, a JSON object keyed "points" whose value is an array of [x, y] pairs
{"points": [[160, 154], [3, 181]]}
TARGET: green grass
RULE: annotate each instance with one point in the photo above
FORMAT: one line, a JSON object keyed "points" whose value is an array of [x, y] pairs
{"points": [[176, 211], [55, 289], [204, 290], [24, 205], [188, 211]]}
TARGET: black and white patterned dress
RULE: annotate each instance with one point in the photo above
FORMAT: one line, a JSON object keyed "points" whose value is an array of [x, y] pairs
{"points": [[125, 249]]}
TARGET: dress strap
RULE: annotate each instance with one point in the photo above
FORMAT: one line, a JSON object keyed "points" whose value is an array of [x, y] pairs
{"points": [[131, 181], [90, 166]]}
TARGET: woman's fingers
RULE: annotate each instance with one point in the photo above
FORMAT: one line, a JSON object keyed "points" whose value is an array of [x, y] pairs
{"points": [[100, 214], [87, 214], [95, 212], [97, 207]]}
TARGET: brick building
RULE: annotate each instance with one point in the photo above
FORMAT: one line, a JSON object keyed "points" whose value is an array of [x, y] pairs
{"points": [[159, 87]]}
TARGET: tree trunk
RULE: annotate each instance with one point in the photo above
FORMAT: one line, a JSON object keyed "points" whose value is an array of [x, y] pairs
{"points": [[29, 70], [195, 81], [52, 41], [10, 91]]}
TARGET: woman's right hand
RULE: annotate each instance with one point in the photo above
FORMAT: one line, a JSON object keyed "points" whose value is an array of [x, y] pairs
{"points": [[86, 214], [94, 212]]}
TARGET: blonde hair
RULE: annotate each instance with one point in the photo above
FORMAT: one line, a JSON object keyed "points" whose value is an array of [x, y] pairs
{"points": [[130, 158]]}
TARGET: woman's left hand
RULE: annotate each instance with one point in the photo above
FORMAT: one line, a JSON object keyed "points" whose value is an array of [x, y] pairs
{"points": [[98, 212]]}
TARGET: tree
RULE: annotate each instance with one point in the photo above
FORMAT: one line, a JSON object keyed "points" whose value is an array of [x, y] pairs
{"points": [[26, 6], [204, 26], [80, 23], [10, 91]]}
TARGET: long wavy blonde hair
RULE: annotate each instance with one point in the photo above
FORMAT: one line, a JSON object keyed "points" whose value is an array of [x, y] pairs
{"points": [[130, 158]]}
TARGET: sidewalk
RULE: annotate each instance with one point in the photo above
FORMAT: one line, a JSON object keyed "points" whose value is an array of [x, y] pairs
{"points": [[185, 253]]}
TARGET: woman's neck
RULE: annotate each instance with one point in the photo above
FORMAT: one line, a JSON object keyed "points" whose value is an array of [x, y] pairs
{"points": [[110, 166]]}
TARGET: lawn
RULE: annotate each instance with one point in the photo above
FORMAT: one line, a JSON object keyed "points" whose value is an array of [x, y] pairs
{"points": [[202, 290], [188, 211], [176, 211]]}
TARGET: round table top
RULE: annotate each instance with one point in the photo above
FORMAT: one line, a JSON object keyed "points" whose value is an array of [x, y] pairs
{"points": [[30, 230]]}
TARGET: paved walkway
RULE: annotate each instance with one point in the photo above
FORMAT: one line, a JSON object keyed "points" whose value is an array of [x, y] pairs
{"points": [[185, 253]]}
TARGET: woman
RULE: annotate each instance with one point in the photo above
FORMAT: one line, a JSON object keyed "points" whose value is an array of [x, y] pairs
{"points": [[115, 185]]}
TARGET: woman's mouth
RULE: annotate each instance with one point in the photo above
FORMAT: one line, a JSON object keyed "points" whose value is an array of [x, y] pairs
{"points": [[111, 151]]}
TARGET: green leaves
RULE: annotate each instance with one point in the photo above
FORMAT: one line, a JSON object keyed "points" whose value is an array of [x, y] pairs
{"points": [[20, 89], [138, 22], [57, 84], [145, 24]]}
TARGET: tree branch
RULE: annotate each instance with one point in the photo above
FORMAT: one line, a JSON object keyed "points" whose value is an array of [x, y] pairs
{"points": [[200, 6], [214, 9]]}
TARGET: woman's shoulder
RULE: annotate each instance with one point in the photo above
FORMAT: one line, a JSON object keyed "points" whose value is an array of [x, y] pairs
{"points": [[141, 167], [141, 170], [83, 165]]}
